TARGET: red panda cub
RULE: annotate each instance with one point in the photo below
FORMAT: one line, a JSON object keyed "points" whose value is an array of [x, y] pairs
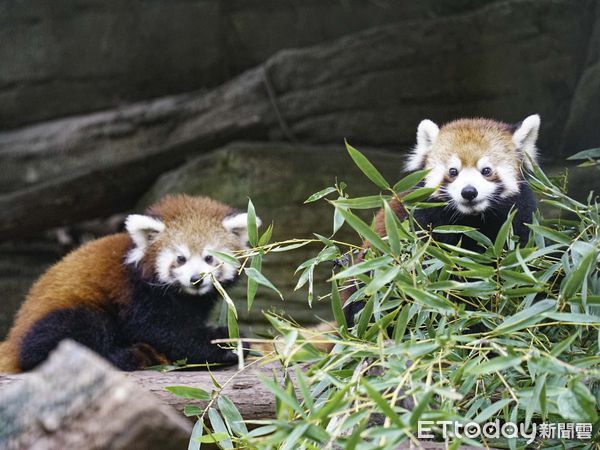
{"points": [[137, 298], [476, 166]]}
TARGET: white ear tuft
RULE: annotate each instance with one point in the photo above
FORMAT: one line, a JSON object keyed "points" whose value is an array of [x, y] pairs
{"points": [[427, 133], [238, 224], [143, 229], [525, 138]]}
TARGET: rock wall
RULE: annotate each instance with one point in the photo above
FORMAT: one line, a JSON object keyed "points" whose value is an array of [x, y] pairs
{"points": [[72, 56]]}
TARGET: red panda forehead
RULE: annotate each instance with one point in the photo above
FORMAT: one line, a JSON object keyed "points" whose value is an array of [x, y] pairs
{"points": [[198, 234], [186, 208], [471, 140]]}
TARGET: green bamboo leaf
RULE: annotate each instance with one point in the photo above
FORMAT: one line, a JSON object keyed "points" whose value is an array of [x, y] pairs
{"points": [[381, 280], [261, 279], [391, 228], [502, 235], [417, 412], [225, 257], [194, 443], [336, 305], [295, 437], [586, 154], [232, 325], [283, 396], [496, 365], [488, 412], [221, 290], [373, 201], [365, 317], [418, 195], [550, 234], [410, 181], [221, 434], [525, 318], [539, 390], [192, 410], [430, 299], [364, 266], [574, 318], [367, 168], [573, 281], [302, 383], [453, 229], [382, 403], [266, 236], [578, 404], [252, 226], [214, 438], [364, 230], [338, 220], [189, 392], [232, 416], [252, 285], [319, 195], [400, 327]]}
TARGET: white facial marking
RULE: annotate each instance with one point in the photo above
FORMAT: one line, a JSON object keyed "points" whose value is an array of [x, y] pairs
{"points": [[509, 179], [142, 229], [471, 178], [194, 274], [427, 133], [238, 224], [525, 138]]}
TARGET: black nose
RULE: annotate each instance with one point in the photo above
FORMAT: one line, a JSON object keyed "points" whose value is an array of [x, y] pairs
{"points": [[469, 193], [195, 279]]}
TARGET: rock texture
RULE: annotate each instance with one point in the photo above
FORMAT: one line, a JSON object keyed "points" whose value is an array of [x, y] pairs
{"points": [[69, 57], [583, 125], [505, 60], [77, 400]]}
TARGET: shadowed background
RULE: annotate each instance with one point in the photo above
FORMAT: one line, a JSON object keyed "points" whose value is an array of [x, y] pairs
{"points": [[107, 105]]}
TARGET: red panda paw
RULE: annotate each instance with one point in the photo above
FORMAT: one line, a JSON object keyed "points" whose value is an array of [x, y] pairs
{"points": [[145, 355]]}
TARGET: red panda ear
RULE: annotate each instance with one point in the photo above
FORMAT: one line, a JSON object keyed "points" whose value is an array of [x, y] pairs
{"points": [[525, 137], [143, 229], [238, 224], [426, 135]]}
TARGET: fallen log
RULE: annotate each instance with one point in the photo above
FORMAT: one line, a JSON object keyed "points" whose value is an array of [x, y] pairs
{"points": [[368, 87], [250, 396]]}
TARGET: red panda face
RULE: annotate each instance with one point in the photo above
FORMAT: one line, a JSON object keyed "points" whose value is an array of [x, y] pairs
{"points": [[472, 162], [174, 249]]}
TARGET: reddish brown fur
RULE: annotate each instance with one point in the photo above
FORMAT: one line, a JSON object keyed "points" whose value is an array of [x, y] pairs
{"points": [[95, 274], [470, 139]]}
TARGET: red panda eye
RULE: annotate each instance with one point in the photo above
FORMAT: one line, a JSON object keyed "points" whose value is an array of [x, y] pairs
{"points": [[486, 171], [453, 172], [181, 259], [209, 259]]}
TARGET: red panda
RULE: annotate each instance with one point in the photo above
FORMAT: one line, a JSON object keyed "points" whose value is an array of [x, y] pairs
{"points": [[476, 166], [138, 298]]}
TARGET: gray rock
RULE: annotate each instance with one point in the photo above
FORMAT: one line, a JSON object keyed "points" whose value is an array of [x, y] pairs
{"points": [[582, 130], [69, 57], [77, 400], [505, 60]]}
